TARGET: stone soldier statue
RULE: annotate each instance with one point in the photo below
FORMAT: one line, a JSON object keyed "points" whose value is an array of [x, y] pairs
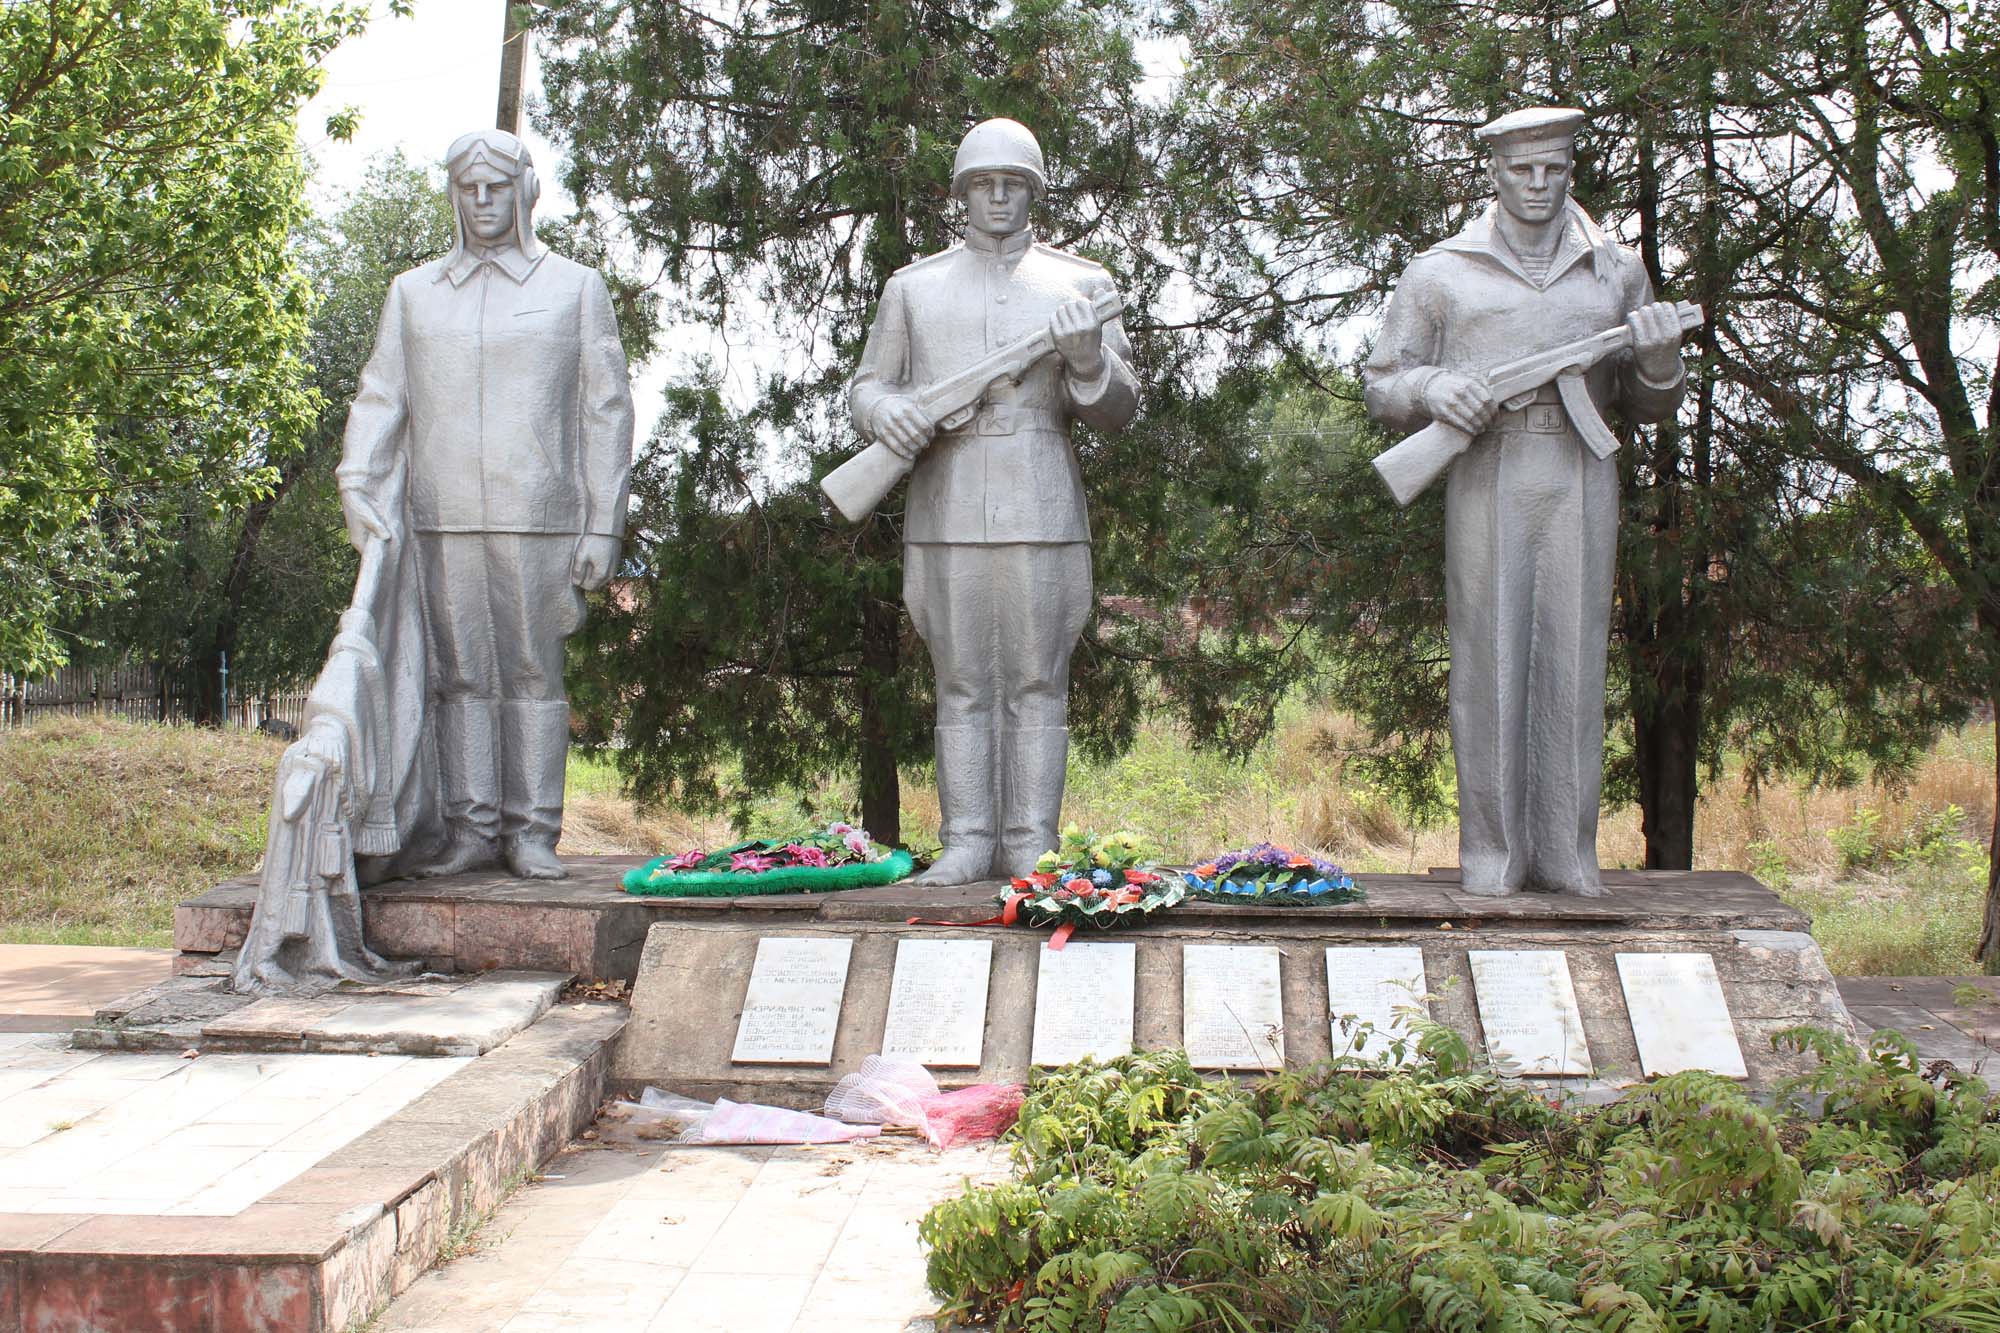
{"points": [[493, 429], [996, 569], [1531, 504]]}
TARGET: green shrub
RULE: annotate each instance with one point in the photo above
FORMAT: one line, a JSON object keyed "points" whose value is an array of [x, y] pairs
{"points": [[1435, 1197]]}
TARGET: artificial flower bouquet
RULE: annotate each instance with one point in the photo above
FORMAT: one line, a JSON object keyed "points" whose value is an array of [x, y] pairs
{"points": [[821, 860], [1090, 880], [1268, 873]]}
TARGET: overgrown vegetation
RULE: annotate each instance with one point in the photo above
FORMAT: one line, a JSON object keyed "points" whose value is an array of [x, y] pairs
{"points": [[1438, 1197]]}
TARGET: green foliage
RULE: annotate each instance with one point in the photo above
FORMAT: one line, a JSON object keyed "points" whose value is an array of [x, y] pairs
{"points": [[152, 315], [1432, 1197]]}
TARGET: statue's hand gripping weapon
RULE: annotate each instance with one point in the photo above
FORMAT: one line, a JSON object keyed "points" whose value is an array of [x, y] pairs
{"points": [[858, 485], [1415, 463]]}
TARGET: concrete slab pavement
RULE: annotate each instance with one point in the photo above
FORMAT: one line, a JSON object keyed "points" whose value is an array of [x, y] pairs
{"points": [[694, 1240], [55, 987]]}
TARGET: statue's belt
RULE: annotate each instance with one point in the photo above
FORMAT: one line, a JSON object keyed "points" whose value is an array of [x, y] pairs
{"points": [[1543, 415]]}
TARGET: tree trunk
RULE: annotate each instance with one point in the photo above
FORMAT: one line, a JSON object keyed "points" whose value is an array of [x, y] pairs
{"points": [[881, 787], [1989, 932], [1666, 742]]}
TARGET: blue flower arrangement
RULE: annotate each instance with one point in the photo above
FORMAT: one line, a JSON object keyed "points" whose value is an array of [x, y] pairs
{"points": [[1270, 873]]}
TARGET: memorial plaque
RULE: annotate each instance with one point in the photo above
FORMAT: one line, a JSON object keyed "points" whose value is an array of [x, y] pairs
{"points": [[1368, 986], [937, 1002], [793, 1004], [1679, 1016], [1083, 1002], [1232, 1011], [1527, 1007]]}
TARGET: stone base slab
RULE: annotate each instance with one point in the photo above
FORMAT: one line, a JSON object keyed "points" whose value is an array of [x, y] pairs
{"points": [[588, 925], [429, 1016], [328, 1249], [696, 965]]}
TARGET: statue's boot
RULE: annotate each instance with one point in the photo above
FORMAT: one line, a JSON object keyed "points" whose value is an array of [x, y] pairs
{"points": [[1033, 765], [965, 802], [468, 745], [533, 752]]}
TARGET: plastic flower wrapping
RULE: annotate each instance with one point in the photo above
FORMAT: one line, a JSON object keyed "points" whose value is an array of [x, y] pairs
{"points": [[1270, 873], [834, 856], [1090, 880]]}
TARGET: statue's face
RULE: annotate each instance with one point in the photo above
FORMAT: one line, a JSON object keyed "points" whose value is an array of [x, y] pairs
{"points": [[996, 202], [1532, 186], [486, 201]]}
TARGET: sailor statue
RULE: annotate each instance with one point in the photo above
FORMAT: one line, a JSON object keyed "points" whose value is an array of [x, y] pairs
{"points": [[1500, 348]]}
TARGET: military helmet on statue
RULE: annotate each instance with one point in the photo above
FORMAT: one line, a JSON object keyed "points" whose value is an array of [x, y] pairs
{"points": [[999, 145]]}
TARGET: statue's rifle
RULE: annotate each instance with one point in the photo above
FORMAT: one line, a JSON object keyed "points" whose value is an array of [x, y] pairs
{"points": [[1415, 463], [858, 485]]}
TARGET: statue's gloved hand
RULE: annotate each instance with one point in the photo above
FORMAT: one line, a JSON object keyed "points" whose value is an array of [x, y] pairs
{"points": [[1656, 341], [364, 520], [596, 560], [901, 424], [1459, 400], [1079, 339]]}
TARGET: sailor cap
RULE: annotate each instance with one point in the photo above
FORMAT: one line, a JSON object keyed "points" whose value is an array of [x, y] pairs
{"points": [[1536, 129]]}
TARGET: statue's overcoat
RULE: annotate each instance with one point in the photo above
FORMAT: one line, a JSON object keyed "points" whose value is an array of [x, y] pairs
{"points": [[1531, 519]]}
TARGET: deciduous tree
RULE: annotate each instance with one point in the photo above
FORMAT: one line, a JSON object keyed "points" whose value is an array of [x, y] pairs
{"points": [[152, 317]]}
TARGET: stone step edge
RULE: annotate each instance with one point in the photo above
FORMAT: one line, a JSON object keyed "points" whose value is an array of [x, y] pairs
{"points": [[335, 1245]]}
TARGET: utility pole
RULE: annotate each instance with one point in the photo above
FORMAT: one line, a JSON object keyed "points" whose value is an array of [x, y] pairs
{"points": [[513, 56]]}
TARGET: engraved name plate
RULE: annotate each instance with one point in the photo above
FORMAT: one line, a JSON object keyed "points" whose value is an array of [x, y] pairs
{"points": [[1369, 986], [793, 1004], [937, 1002], [1679, 1016], [1083, 1002], [1232, 1013], [1527, 1006]]}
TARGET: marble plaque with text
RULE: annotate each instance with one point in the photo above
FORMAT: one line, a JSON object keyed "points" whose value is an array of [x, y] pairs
{"points": [[1679, 1016], [1368, 986], [1528, 1009], [1083, 1002], [792, 1007], [937, 1002], [1232, 1011]]}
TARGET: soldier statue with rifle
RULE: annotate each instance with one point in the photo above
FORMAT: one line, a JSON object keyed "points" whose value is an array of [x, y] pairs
{"points": [[1500, 348], [979, 360]]}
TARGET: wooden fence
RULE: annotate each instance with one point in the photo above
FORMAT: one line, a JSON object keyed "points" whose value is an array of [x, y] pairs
{"points": [[135, 693]]}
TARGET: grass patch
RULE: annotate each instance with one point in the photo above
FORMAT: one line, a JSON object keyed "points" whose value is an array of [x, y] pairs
{"points": [[105, 825]]}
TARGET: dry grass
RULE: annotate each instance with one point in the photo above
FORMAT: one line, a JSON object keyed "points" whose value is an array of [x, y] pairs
{"points": [[105, 825]]}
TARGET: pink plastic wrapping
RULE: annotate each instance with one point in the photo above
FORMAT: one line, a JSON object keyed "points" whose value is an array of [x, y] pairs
{"points": [[969, 1115]]}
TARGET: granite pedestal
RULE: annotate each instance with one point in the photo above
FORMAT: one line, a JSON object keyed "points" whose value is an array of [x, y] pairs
{"points": [[696, 972]]}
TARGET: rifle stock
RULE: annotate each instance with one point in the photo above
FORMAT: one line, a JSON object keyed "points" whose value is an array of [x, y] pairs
{"points": [[1410, 467], [858, 485]]}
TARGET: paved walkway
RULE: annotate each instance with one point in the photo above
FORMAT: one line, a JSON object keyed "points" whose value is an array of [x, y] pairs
{"points": [[55, 987], [1942, 1015], [88, 1133], [704, 1240]]}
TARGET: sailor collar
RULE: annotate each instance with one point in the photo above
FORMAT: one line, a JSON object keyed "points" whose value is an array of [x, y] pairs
{"points": [[464, 263], [1008, 247], [1581, 240]]}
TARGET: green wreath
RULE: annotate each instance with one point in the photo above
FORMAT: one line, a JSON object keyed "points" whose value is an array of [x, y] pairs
{"points": [[654, 881]]}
